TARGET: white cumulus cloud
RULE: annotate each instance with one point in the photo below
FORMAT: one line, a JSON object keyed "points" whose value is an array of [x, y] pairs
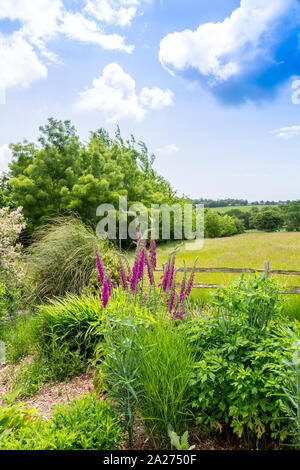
{"points": [[39, 18], [155, 98], [76, 26], [219, 51], [24, 53], [5, 157], [115, 12], [112, 12], [20, 63], [114, 93]]}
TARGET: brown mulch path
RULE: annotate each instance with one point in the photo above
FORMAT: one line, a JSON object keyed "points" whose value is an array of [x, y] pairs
{"points": [[53, 394], [50, 394]]}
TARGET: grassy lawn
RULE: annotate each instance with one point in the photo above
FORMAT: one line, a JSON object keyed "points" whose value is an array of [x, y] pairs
{"points": [[249, 250]]}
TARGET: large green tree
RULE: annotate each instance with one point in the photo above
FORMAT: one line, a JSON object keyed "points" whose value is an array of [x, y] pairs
{"points": [[61, 174], [268, 220], [292, 216]]}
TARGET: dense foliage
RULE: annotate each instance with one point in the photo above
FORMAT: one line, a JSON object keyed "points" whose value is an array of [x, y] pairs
{"points": [[63, 175], [268, 220], [291, 216], [216, 225], [237, 379], [86, 423]]}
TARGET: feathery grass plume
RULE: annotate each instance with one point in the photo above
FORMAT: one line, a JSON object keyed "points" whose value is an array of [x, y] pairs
{"points": [[61, 259]]}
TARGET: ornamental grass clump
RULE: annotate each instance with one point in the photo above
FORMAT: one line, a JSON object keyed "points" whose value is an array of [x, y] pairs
{"points": [[61, 259], [163, 378]]}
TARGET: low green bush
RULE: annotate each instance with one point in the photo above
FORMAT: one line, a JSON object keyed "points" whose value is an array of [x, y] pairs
{"points": [[86, 423], [236, 384], [79, 321], [70, 321], [255, 300], [13, 418]]}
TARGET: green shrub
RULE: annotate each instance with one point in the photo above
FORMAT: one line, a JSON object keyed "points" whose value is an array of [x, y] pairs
{"points": [[14, 417], [83, 424], [62, 258], [79, 322], [268, 220], [29, 377], [70, 321], [256, 300], [216, 225], [235, 383], [94, 420]]}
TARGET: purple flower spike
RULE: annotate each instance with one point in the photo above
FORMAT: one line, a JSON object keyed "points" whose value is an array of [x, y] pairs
{"points": [[166, 278], [172, 301], [123, 277], [99, 267]]}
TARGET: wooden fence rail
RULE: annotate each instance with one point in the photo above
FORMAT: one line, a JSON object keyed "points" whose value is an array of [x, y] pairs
{"points": [[267, 271]]}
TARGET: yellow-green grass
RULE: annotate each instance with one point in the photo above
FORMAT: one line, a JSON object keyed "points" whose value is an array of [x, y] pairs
{"points": [[249, 250]]}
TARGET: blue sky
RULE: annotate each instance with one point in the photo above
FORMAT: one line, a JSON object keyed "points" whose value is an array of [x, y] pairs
{"points": [[210, 86]]}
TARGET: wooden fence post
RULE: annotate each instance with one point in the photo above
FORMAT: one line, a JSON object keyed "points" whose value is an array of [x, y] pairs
{"points": [[268, 269]]}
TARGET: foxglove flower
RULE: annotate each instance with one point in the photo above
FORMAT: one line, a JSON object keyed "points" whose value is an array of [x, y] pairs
{"points": [[99, 267]]}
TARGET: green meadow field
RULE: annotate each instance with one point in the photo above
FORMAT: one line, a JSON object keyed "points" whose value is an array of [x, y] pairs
{"points": [[249, 250]]}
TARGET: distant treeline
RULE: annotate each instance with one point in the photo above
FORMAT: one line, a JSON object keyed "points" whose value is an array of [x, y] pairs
{"points": [[211, 203], [284, 216]]}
